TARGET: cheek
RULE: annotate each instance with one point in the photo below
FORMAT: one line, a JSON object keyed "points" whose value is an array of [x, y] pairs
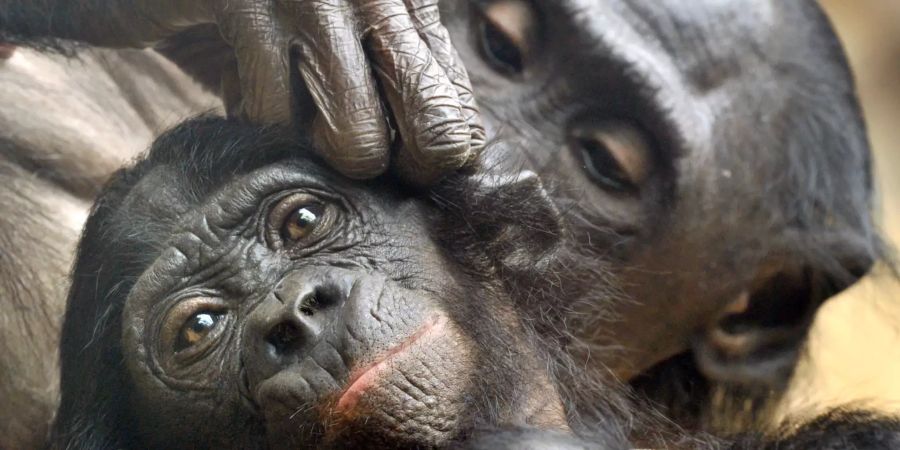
{"points": [[677, 291], [203, 414], [192, 418], [190, 404]]}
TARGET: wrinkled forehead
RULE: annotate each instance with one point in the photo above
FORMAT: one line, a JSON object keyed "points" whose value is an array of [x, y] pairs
{"points": [[193, 223], [700, 57], [707, 40], [696, 36], [739, 82], [170, 196], [754, 98]]}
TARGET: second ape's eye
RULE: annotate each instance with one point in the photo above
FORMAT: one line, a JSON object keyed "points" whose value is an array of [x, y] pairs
{"points": [[615, 155], [505, 34], [299, 221]]}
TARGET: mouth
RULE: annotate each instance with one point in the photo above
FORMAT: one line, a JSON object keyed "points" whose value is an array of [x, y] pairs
{"points": [[373, 374]]}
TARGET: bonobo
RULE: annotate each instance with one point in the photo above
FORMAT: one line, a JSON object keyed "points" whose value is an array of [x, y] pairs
{"points": [[231, 292], [227, 298], [714, 150]]}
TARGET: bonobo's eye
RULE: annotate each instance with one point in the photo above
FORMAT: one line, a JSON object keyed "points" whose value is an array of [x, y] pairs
{"points": [[197, 328], [193, 325], [616, 155], [505, 34], [300, 219]]}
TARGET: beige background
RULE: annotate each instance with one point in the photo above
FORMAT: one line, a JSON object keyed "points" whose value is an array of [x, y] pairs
{"points": [[854, 353]]}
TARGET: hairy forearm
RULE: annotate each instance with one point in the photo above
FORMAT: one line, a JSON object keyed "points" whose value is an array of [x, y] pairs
{"points": [[838, 429], [111, 23]]}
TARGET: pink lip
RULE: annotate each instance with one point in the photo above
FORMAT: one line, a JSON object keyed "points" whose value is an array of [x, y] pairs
{"points": [[368, 376]]}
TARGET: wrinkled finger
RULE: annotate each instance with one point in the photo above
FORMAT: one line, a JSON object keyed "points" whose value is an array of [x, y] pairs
{"points": [[350, 126], [261, 50], [425, 103], [426, 17], [200, 52]]}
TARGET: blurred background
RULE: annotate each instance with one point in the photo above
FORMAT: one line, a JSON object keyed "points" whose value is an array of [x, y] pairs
{"points": [[854, 353]]}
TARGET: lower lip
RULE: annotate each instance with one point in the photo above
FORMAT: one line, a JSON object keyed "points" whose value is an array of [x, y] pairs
{"points": [[370, 375]]}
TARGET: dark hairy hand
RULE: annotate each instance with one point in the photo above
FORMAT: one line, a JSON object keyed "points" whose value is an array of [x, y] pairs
{"points": [[359, 59]]}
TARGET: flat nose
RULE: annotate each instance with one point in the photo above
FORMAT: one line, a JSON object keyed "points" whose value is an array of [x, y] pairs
{"points": [[292, 319], [303, 308]]}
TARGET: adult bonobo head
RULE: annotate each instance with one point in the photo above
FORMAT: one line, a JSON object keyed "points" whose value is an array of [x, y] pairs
{"points": [[714, 148], [230, 292]]}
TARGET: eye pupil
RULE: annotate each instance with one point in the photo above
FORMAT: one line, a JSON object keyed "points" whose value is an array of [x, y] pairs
{"points": [[302, 222], [197, 328], [202, 322], [499, 50], [305, 217]]}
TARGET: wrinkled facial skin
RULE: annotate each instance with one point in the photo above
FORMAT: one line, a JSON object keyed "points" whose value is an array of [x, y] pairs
{"points": [[284, 307], [300, 327], [714, 149]]}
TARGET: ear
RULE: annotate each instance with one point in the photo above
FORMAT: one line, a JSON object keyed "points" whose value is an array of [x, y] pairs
{"points": [[759, 335], [513, 216]]}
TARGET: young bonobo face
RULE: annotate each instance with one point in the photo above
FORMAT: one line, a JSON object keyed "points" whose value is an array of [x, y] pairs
{"points": [[277, 305], [714, 149]]}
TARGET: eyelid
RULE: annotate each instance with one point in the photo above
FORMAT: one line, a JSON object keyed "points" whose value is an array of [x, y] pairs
{"points": [[626, 145], [517, 13], [617, 154]]}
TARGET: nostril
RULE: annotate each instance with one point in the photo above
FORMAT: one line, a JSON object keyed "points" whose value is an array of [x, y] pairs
{"points": [[307, 300], [320, 298], [309, 304], [283, 338], [302, 307]]}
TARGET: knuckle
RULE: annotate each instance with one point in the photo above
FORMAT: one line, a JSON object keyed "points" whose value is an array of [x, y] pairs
{"points": [[356, 153], [448, 149]]}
